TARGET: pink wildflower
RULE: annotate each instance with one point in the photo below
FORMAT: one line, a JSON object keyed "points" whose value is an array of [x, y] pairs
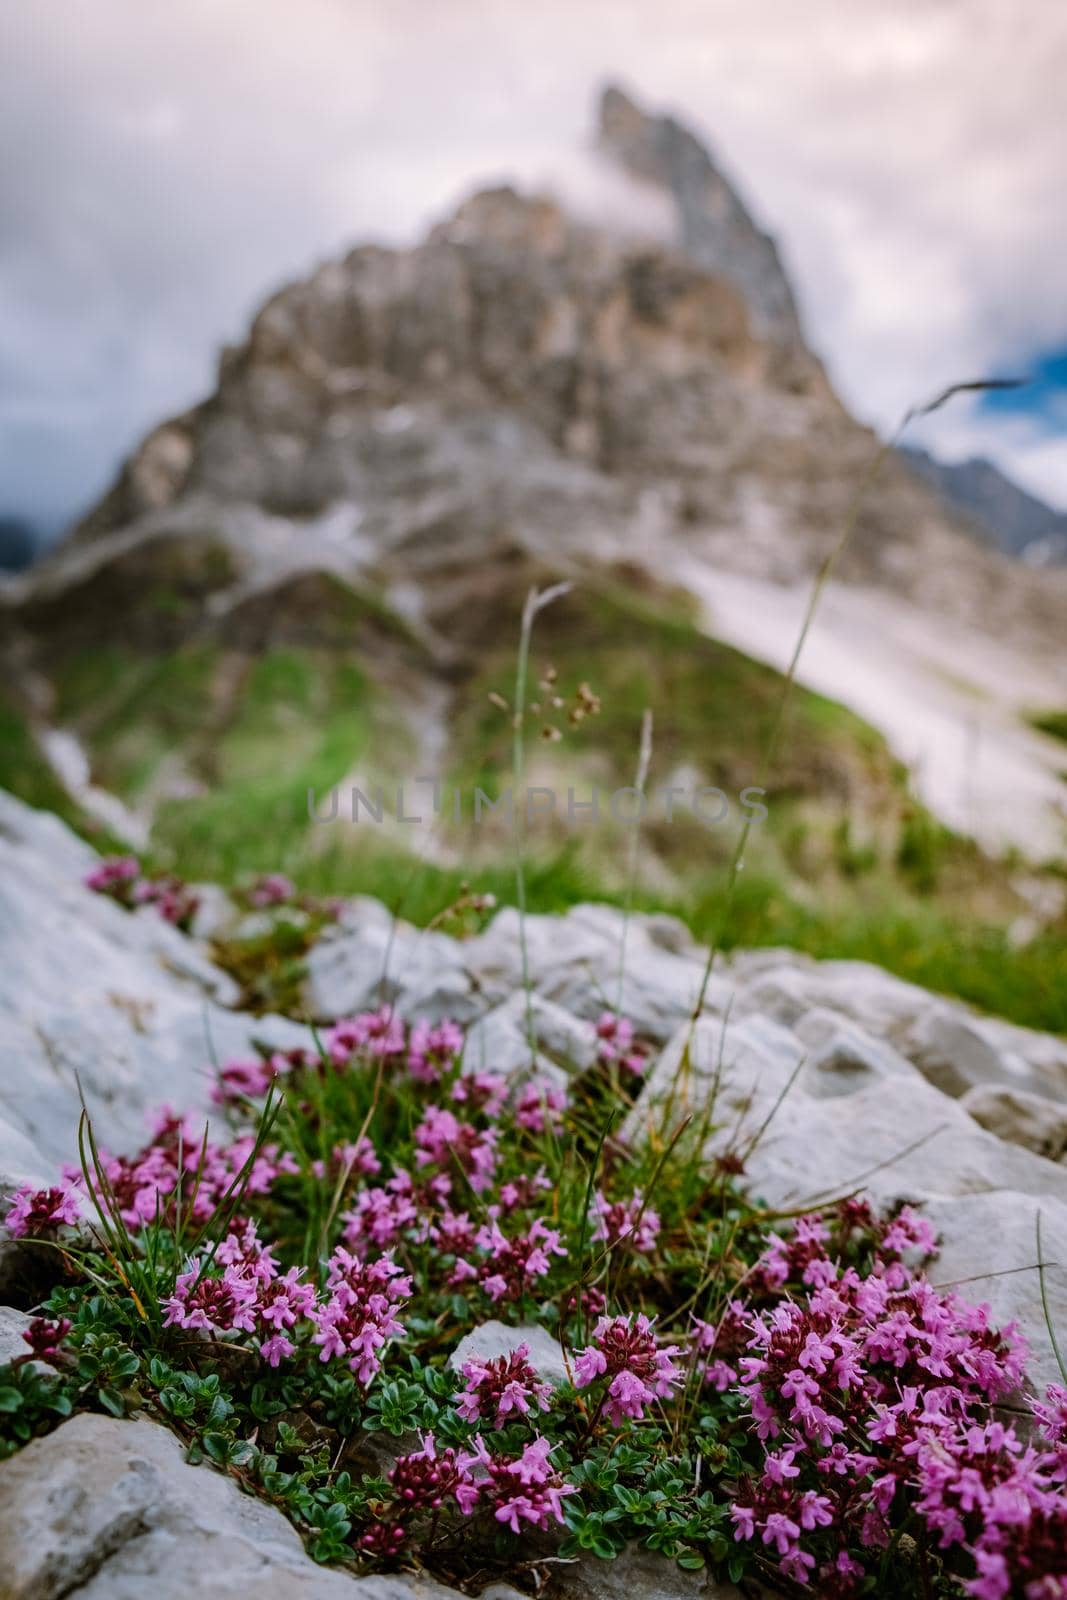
{"points": [[624, 1351], [360, 1317], [615, 1043], [630, 1220], [38, 1213], [505, 1385], [481, 1091], [423, 1480], [45, 1340], [214, 1305], [433, 1051], [443, 1141], [272, 889], [512, 1265], [523, 1491], [371, 1034], [540, 1106]]}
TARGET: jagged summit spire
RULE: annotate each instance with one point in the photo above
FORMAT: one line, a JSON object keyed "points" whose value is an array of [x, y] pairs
{"points": [[715, 228]]}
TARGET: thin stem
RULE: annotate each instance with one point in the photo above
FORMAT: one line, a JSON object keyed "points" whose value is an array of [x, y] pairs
{"points": [[644, 761], [1041, 1264], [536, 600], [822, 578]]}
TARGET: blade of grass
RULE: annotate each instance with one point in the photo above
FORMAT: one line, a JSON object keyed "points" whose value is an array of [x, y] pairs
{"points": [[1045, 1308]]}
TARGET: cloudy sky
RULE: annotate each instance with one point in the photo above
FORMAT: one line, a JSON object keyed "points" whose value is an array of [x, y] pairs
{"points": [[163, 166]]}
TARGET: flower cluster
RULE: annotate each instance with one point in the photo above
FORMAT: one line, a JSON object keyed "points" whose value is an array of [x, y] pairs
{"points": [[615, 1043], [442, 1141], [39, 1213], [523, 1491], [625, 1353], [352, 1320], [121, 879], [45, 1339], [508, 1267], [626, 1220], [433, 1051], [359, 1316], [871, 1394], [502, 1387], [180, 1166], [271, 889], [252, 1295], [540, 1106], [368, 1036]]}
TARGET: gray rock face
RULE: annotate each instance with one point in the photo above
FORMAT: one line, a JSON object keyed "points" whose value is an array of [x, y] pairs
{"points": [[636, 1575], [374, 959], [1032, 1120], [123, 1003], [108, 1510], [1013, 519], [715, 228], [13, 1325], [520, 392]]}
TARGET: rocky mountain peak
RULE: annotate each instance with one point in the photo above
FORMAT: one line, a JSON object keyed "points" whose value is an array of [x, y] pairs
{"points": [[716, 229]]}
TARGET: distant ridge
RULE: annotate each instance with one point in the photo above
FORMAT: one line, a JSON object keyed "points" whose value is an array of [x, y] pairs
{"points": [[1016, 522]]}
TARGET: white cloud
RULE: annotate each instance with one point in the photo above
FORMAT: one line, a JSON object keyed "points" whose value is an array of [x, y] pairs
{"points": [[165, 167]]}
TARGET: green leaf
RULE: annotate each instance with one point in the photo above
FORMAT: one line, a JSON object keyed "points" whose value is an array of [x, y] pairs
{"points": [[113, 1401]]}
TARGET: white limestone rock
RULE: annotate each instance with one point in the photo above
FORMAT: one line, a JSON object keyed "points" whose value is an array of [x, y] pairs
{"points": [[373, 959], [1032, 1120], [124, 1004], [109, 1510]]}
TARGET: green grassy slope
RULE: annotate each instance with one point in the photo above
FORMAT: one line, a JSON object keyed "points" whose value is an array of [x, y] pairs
{"points": [[222, 742]]}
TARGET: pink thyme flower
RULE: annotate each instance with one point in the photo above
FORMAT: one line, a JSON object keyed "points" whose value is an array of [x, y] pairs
{"points": [[360, 1317], [45, 1340], [503, 1386], [524, 1490], [540, 1106], [382, 1214], [213, 1305], [423, 1480], [371, 1034], [511, 1266], [243, 1080], [173, 899], [38, 1213], [115, 876], [628, 1220], [272, 889], [441, 1140], [481, 1091], [383, 1540], [625, 1352], [615, 1043], [241, 1248], [433, 1051], [524, 1191]]}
